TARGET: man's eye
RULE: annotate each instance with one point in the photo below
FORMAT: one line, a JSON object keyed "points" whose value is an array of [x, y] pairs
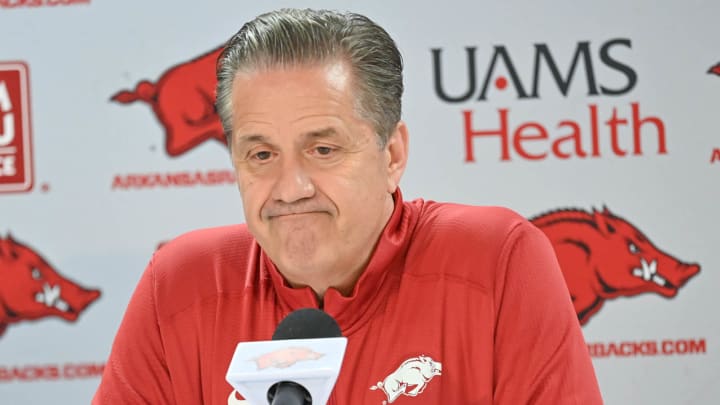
{"points": [[323, 150], [262, 155]]}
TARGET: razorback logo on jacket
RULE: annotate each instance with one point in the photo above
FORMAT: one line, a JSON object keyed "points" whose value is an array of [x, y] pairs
{"points": [[30, 288], [410, 379], [603, 256], [183, 100]]}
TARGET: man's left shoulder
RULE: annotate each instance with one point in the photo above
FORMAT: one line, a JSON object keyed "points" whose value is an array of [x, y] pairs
{"points": [[462, 241], [478, 224]]}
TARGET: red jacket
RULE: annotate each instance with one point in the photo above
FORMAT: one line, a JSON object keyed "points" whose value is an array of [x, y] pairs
{"points": [[458, 305]]}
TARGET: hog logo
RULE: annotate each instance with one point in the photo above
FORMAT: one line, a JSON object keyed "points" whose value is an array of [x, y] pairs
{"points": [[286, 357], [603, 256], [183, 100], [30, 288], [410, 379], [715, 70]]}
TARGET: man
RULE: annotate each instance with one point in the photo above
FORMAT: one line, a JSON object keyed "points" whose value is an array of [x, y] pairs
{"points": [[440, 303]]}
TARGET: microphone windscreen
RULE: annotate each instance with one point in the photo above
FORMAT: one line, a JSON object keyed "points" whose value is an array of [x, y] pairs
{"points": [[307, 323]]}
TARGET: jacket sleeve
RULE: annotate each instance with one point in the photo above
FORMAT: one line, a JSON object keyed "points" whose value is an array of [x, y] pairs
{"points": [[540, 354], [136, 371]]}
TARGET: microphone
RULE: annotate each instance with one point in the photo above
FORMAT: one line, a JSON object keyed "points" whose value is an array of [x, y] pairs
{"points": [[299, 366]]}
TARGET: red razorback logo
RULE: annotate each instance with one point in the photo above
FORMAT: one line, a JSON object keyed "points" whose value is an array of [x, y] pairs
{"points": [[286, 357], [183, 100], [603, 256], [715, 70], [30, 288]]}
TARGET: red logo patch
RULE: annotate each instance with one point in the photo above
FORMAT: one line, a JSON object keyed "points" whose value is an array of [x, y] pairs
{"points": [[603, 256], [30, 288], [16, 164], [183, 100]]}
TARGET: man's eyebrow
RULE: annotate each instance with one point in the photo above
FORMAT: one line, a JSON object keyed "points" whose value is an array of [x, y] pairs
{"points": [[321, 133], [251, 138]]}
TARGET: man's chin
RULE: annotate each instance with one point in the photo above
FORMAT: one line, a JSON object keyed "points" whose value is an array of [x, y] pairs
{"points": [[299, 272], [301, 264]]}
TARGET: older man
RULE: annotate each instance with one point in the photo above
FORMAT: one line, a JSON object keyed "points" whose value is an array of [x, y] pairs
{"points": [[469, 300]]}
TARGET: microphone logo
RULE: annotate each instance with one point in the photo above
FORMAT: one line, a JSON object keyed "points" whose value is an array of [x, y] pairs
{"points": [[410, 379], [285, 357]]}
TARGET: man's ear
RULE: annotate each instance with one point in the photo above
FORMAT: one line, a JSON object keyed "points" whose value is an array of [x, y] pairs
{"points": [[396, 151]]}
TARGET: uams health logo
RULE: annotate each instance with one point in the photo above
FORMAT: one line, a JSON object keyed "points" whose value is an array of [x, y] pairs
{"points": [[600, 130], [16, 173], [30, 288], [183, 100], [603, 256]]}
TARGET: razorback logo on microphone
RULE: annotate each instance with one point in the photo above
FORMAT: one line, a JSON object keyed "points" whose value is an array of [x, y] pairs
{"points": [[603, 256], [286, 357], [183, 100], [31, 288], [16, 163]]}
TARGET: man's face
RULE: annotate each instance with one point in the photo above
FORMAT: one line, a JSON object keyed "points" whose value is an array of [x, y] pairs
{"points": [[316, 187]]}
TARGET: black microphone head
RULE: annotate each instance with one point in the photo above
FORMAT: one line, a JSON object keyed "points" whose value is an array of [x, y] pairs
{"points": [[307, 323]]}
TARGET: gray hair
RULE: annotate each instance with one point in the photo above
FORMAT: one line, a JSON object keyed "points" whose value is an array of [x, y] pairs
{"points": [[292, 37]]}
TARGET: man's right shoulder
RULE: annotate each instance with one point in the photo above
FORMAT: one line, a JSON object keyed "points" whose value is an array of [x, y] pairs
{"points": [[204, 263], [210, 243]]}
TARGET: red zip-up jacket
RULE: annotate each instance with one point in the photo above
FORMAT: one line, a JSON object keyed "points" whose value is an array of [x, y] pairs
{"points": [[458, 305]]}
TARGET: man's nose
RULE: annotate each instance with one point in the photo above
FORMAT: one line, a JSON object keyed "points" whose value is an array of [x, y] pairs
{"points": [[294, 182]]}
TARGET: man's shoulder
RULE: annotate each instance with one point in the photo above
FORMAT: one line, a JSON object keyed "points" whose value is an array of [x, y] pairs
{"points": [[203, 244], [463, 241], [487, 224], [203, 263]]}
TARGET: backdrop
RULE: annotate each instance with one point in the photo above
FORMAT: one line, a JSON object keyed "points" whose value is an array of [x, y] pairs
{"points": [[599, 121]]}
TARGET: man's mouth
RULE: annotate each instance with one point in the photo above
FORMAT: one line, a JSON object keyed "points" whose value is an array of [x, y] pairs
{"points": [[294, 214]]}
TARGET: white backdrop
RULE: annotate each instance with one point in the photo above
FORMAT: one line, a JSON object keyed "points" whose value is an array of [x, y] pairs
{"points": [[89, 215]]}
